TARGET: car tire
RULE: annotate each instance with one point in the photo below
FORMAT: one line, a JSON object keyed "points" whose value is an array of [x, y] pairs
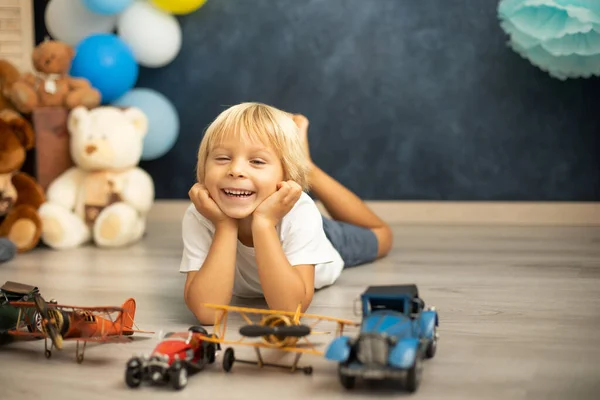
{"points": [[211, 353], [178, 376], [415, 372], [133, 373], [198, 329], [347, 381], [432, 346]]}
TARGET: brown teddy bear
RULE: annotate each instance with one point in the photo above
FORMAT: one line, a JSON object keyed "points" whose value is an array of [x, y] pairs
{"points": [[9, 74], [52, 85], [20, 195]]}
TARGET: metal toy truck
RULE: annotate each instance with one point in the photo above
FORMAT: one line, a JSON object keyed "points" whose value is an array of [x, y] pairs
{"points": [[397, 333]]}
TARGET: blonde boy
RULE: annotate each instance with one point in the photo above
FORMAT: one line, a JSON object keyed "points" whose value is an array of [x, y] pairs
{"points": [[253, 231]]}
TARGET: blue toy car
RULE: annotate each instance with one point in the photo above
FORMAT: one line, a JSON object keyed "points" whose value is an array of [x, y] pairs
{"points": [[397, 333]]}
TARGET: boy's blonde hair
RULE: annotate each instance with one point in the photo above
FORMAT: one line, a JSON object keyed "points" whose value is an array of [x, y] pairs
{"points": [[267, 124]]}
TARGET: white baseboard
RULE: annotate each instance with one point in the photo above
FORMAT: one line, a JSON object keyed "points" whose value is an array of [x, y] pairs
{"points": [[488, 213], [453, 213]]}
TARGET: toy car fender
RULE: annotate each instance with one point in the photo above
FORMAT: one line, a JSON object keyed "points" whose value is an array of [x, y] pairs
{"points": [[429, 320], [339, 349], [403, 354]]}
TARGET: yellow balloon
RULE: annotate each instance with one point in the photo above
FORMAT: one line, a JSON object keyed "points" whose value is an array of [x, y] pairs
{"points": [[179, 6]]}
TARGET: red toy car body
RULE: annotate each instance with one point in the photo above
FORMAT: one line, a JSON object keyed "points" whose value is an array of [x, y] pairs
{"points": [[177, 356]]}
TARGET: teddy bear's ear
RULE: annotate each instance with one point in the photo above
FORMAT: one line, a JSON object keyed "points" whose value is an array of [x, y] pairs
{"points": [[20, 126], [71, 52], [79, 120], [138, 118]]}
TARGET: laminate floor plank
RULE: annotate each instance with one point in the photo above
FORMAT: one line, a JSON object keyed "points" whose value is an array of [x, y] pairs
{"points": [[519, 317]]}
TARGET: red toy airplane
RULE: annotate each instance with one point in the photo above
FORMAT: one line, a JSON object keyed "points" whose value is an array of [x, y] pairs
{"points": [[59, 322]]}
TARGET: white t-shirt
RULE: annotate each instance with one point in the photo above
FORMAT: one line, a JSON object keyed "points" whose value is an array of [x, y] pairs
{"points": [[302, 237]]}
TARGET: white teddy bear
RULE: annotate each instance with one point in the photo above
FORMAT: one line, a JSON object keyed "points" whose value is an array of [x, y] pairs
{"points": [[105, 196]]}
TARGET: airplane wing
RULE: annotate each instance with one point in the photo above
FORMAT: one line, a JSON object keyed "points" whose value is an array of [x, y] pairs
{"points": [[41, 335], [300, 348], [27, 304], [140, 331], [101, 339], [14, 332], [276, 312]]}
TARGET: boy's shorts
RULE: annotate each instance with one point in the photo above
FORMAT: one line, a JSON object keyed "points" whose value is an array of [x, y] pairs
{"points": [[356, 245]]}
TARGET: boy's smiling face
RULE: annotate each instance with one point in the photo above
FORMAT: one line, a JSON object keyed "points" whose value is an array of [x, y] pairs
{"points": [[241, 174]]}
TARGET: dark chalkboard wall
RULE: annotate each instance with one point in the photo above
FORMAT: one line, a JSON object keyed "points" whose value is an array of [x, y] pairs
{"points": [[408, 100]]}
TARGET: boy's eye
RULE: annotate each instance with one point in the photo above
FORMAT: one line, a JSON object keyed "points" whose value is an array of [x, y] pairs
{"points": [[259, 162], [221, 158]]}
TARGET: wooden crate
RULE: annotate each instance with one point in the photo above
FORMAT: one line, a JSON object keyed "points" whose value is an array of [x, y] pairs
{"points": [[52, 156]]}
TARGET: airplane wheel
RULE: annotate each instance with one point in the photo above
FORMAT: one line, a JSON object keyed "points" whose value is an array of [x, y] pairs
{"points": [[178, 376], [308, 370], [228, 359], [48, 354], [79, 358]]}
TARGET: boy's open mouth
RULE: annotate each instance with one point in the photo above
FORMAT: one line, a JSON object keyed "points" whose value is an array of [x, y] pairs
{"points": [[237, 193]]}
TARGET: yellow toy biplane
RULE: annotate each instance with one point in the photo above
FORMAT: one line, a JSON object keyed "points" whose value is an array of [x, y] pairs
{"points": [[280, 330]]}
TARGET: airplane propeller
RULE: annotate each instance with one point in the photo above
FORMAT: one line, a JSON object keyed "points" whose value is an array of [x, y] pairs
{"points": [[282, 331], [48, 323]]}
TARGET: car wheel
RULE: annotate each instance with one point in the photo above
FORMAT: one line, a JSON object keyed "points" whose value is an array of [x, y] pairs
{"points": [[432, 346], [211, 353], [228, 359], [413, 377], [216, 344], [178, 376], [133, 373], [347, 381], [198, 329]]}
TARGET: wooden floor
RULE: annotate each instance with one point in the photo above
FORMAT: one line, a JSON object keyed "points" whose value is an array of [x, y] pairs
{"points": [[519, 317]]}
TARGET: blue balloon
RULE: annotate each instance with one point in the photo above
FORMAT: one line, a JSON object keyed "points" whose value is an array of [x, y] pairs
{"points": [[107, 7], [108, 63], [163, 120]]}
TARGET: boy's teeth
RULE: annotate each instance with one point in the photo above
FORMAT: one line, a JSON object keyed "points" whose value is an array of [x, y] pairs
{"points": [[238, 192]]}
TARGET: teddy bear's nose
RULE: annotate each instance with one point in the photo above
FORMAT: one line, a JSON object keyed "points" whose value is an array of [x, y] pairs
{"points": [[90, 148]]}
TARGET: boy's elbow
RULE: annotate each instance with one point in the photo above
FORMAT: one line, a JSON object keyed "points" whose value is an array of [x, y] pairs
{"points": [[204, 315], [205, 319], [308, 299]]}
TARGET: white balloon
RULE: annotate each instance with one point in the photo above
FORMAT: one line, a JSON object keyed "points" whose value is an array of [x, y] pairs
{"points": [[70, 21], [153, 35]]}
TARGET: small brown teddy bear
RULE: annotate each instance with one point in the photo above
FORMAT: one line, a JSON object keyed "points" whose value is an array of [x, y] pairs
{"points": [[20, 195], [52, 86]]}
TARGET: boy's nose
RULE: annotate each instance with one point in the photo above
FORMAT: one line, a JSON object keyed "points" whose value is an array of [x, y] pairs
{"points": [[236, 170]]}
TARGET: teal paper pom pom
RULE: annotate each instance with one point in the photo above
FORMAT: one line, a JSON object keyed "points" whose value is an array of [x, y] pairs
{"points": [[561, 37]]}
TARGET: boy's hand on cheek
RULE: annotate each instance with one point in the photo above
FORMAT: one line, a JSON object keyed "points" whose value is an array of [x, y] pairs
{"points": [[277, 205], [207, 207]]}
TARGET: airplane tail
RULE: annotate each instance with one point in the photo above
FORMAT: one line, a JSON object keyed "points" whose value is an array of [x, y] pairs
{"points": [[128, 316]]}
